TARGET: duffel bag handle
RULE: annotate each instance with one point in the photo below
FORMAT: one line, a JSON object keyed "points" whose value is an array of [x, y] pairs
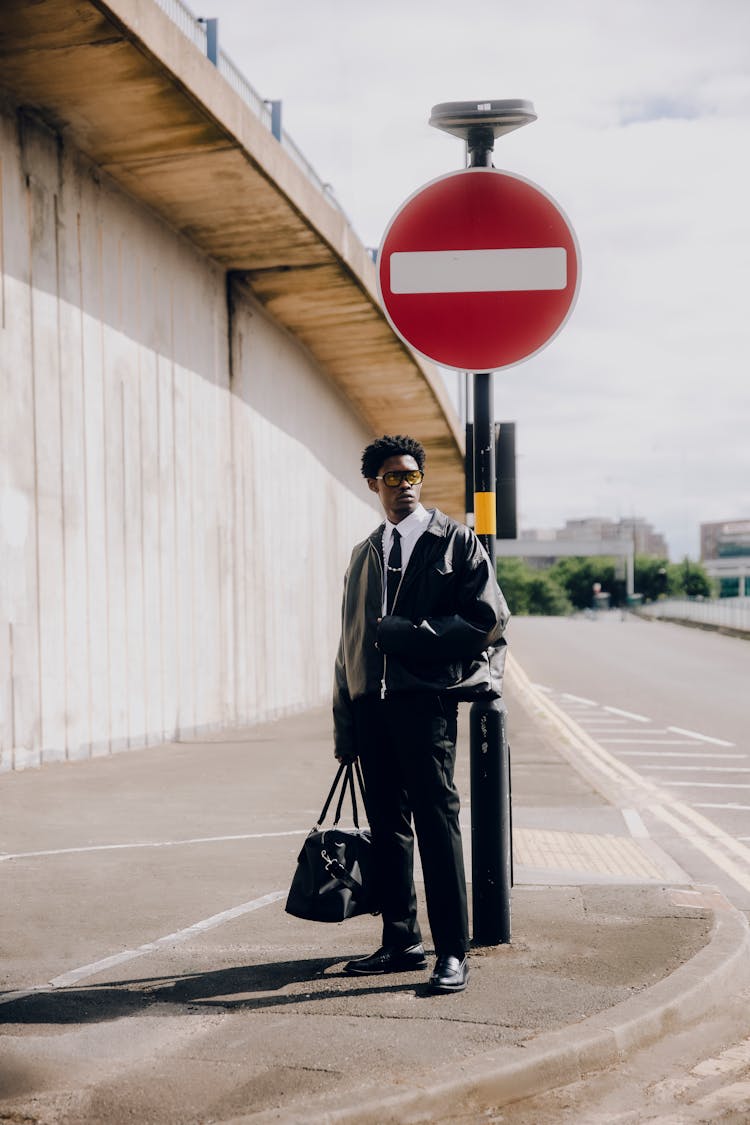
{"points": [[329, 798], [348, 771]]}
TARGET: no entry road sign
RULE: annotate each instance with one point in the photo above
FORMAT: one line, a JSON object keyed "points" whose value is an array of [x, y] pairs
{"points": [[478, 270]]}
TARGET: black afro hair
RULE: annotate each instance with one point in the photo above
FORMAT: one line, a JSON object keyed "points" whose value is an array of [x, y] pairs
{"points": [[389, 445]]}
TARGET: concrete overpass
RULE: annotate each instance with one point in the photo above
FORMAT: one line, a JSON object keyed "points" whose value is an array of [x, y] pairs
{"points": [[191, 360], [126, 86]]}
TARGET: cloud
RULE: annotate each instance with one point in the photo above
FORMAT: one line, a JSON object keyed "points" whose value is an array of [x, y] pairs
{"points": [[641, 404]]}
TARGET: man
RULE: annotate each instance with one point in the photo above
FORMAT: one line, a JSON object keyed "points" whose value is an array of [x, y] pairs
{"points": [[422, 623]]}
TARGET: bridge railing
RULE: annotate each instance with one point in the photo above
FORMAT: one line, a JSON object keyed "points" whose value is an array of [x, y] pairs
{"points": [[721, 613], [188, 23]]}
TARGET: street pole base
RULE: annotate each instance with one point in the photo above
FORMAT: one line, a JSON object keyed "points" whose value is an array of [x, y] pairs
{"points": [[491, 841]]}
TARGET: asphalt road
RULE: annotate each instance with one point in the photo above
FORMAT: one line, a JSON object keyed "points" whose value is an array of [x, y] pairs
{"points": [[672, 704], [150, 972]]}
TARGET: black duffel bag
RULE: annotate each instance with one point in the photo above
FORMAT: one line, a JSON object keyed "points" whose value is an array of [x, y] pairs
{"points": [[334, 879]]}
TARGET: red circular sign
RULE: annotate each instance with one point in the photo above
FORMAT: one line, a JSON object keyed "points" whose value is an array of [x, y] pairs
{"points": [[478, 270]]}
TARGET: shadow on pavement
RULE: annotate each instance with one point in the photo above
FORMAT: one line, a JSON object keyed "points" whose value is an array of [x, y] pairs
{"points": [[223, 988]]}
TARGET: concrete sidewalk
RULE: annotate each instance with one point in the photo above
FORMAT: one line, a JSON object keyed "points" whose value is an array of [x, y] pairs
{"points": [[246, 1015]]}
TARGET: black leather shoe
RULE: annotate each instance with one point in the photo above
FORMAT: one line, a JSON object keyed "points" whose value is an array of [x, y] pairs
{"points": [[388, 961], [450, 974]]}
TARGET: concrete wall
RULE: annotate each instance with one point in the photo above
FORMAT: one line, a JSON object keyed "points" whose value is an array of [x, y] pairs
{"points": [[179, 483]]}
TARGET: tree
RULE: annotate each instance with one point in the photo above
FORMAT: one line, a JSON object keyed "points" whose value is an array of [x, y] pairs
{"points": [[530, 591], [570, 583], [547, 597], [512, 574], [655, 578], [693, 579], [577, 576]]}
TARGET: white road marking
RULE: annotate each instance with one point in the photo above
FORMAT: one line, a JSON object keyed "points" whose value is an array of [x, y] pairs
{"points": [[639, 735], [699, 769], [65, 980], [710, 784], [604, 722], [704, 755], [628, 714], [517, 269], [700, 737], [710, 829], [635, 824], [154, 844], [702, 833], [707, 846], [649, 741], [643, 719], [726, 805]]}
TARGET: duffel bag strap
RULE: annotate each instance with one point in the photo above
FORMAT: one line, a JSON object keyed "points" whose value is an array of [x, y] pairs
{"points": [[348, 772], [348, 784], [360, 782], [329, 798]]}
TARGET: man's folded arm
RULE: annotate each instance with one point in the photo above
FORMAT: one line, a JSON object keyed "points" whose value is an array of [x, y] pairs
{"points": [[480, 621]]}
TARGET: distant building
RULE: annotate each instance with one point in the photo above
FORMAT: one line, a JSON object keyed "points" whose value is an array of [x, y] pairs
{"points": [[540, 548], [634, 529], [593, 536], [726, 539], [725, 553], [539, 534]]}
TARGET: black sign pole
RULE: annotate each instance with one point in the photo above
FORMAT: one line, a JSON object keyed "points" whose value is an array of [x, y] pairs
{"points": [[491, 841], [479, 124]]}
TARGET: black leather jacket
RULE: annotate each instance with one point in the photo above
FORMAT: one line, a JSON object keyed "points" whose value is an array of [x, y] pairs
{"points": [[444, 636]]}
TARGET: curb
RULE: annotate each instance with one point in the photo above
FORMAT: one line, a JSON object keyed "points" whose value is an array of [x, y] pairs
{"points": [[697, 989], [700, 987]]}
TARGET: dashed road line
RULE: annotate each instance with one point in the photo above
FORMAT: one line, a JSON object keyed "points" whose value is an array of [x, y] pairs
{"points": [[627, 714], [698, 769], [703, 755], [708, 784], [726, 805], [648, 741], [721, 848], [701, 737]]}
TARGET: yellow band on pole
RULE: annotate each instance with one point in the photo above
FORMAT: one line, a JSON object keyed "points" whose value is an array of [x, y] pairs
{"points": [[485, 515]]}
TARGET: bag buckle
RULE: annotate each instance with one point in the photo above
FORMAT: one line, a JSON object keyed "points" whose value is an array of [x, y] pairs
{"points": [[327, 861]]}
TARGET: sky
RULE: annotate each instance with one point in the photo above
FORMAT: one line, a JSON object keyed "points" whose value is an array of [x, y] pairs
{"points": [[640, 406]]}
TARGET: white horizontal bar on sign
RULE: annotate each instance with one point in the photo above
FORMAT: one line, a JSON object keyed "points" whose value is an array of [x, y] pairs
{"points": [[479, 271]]}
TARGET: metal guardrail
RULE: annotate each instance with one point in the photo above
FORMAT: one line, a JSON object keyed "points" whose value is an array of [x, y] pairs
{"points": [[727, 613], [188, 24]]}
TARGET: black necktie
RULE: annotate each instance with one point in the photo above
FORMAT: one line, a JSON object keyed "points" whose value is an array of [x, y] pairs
{"points": [[394, 571]]}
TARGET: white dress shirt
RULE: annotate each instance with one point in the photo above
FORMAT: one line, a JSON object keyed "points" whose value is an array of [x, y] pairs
{"points": [[410, 530]]}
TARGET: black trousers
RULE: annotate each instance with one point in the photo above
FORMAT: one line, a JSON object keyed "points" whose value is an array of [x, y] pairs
{"points": [[407, 748]]}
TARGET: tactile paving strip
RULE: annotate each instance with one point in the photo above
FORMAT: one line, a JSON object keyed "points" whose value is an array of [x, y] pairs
{"points": [[581, 851]]}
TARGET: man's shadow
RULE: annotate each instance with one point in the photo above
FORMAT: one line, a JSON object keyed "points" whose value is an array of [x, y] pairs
{"points": [[246, 987]]}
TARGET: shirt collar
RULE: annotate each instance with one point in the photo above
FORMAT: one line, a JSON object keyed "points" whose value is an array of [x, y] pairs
{"points": [[413, 521]]}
